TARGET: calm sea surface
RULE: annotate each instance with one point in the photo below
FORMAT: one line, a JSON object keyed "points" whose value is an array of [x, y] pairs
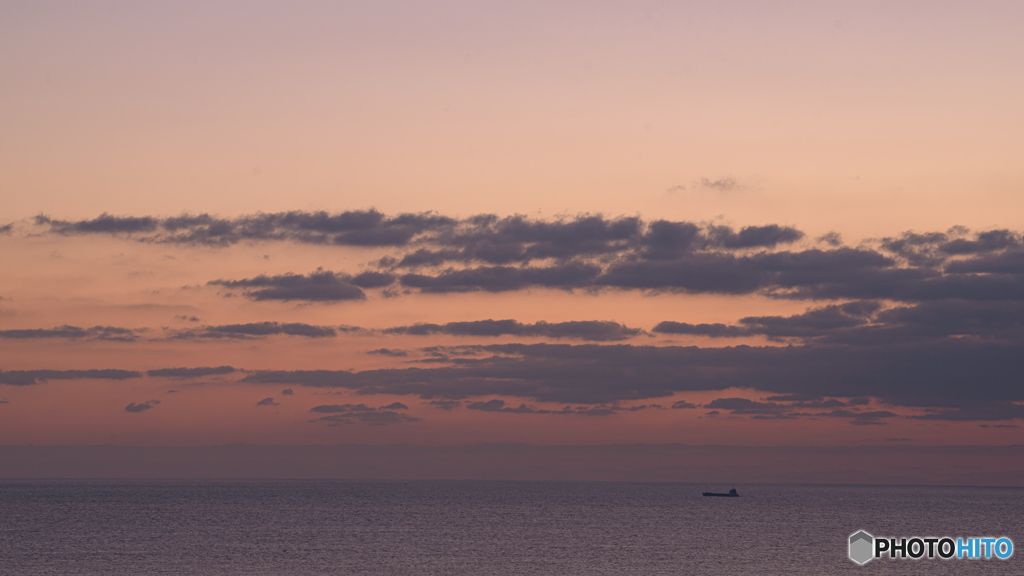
{"points": [[451, 527]]}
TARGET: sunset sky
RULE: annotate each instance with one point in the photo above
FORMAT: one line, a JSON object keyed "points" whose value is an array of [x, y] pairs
{"points": [[747, 224]]}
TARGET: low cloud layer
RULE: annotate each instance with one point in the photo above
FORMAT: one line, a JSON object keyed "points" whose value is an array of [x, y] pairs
{"points": [[318, 286], [190, 372], [29, 377], [497, 405], [141, 407], [484, 237], [591, 330], [580, 330], [352, 228], [955, 379], [109, 333], [786, 409], [855, 323], [254, 330], [866, 323], [928, 321], [362, 414]]}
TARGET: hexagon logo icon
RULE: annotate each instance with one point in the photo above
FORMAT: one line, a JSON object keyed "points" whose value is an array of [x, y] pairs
{"points": [[861, 544]]}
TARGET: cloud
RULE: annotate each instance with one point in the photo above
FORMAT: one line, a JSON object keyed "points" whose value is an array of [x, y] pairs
{"points": [[721, 185], [941, 320], [495, 406], [436, 239], [775, 410], [499, 406], [318, 286], [190, 372], [373, 279], [1010, 262], [448, 405], [581, 330], [931, 248], [860, 322], [255, 330], [682, 404], [504, 278], [102, 224], [108, 333], [362, 414], [749, 407], [389, 352], [491, 253], [425, 257], [833, 239], [484, 238], [141, 407], [29, 377], [811, 401], [918, 375], [753, 236], [864, 323], [712, 330], [352, 228], [506, 241], [953, 378], [287, 392], [983, 242], [267, 402], [593, 251], [869, 418], [680, 258], [517, 239], [974, 410], [781, 274], [813, 323], [333, 408]]}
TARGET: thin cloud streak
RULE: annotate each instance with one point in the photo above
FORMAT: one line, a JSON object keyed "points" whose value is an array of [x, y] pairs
{"points": [[108, 333]]}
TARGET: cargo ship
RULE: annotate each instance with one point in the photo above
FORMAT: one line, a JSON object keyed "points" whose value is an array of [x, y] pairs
{"points": [[732, 494]]}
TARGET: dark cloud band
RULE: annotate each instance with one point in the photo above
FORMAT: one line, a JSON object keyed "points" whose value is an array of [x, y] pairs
{"points": [[940, 376], [29, 377], [581, 330], [109, 333], [434, 253]]}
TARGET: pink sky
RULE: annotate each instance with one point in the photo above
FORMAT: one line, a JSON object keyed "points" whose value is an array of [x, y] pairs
{"points": [[777, 123]]}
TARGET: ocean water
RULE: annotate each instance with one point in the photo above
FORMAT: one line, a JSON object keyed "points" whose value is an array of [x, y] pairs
{"points": [[468, 527]]}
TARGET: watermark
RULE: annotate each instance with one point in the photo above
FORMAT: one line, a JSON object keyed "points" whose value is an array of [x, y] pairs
{"points": [[864, 547]]}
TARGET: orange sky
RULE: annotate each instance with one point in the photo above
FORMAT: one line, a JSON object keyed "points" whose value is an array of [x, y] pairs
{"points": [[864, 119]]}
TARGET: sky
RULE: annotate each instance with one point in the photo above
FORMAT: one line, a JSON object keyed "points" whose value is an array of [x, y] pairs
{"points": [[752, 225]]}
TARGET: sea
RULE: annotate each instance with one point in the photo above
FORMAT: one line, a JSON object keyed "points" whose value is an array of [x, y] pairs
{"points": [[305, 527]]}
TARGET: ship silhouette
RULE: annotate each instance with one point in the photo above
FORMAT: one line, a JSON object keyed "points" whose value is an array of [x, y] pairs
{"points": [[731, 494]]}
